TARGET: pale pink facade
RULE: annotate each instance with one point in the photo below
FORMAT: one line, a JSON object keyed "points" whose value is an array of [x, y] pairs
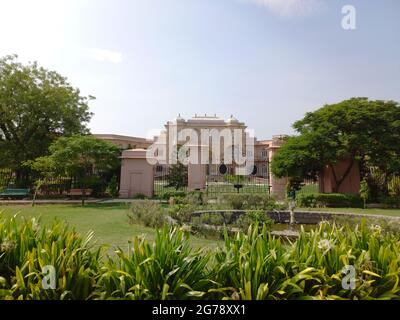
{"points": [[137, 174]]}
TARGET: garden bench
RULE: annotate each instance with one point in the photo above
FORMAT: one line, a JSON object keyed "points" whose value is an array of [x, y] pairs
{"points": [[79, 192], [14, 193]]}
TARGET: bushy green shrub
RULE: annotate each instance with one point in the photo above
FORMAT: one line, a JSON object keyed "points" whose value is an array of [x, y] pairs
{"points": [[112, 188], [173, 194], [253, 217], [196, 198], [251, 202], [390, 201], [92, 182], [182, 212], [148, 213], [332, 200]]}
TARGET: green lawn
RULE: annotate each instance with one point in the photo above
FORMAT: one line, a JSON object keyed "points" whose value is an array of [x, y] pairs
{"points": [[109, 222], [385, 212]]}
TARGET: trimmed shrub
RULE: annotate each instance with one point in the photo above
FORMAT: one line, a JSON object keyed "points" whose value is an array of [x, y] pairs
{"points": [[328, 200]]}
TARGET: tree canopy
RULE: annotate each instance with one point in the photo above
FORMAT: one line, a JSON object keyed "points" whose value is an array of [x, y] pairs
{"points": [[358, 129], [36, 107], [78, 156]]}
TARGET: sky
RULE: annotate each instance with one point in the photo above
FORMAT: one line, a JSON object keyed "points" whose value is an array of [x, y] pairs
{"points": [[267, 62]]}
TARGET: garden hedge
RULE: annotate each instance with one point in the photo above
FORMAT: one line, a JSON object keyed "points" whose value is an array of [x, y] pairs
{"points": [[329, 200]]}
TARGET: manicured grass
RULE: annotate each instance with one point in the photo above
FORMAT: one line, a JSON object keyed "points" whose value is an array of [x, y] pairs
{"points": [[109, 222], [310, 188], [385, 212]]}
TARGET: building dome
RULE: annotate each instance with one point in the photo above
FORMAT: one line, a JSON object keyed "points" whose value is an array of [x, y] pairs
{"points": [[179, 119], [232, 120]]}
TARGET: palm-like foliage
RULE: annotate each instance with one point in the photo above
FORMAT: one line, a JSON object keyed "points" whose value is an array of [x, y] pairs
{"points": [[251, 265], [165, 269], [258, 266], [27, 249]]}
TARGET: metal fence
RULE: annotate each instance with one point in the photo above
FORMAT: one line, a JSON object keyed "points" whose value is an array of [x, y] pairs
{"points": [[58, 185], [7, 178], [222, 181], [310, 186], [162, 184]]}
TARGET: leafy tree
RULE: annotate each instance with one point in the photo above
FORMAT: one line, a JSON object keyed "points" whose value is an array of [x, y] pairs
{"points": [[36, 107], [178, 176], [79, 157], [358, 129], [293, 185], [112, 188]]}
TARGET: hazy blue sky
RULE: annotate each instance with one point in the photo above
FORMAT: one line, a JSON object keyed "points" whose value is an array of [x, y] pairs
{"points": [[265, 61]]}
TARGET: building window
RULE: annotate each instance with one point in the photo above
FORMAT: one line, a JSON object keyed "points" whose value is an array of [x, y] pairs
{"points": [[264, 154], [264, 171]]}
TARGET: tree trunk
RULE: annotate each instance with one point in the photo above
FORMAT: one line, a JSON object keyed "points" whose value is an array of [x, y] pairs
{"points": [[338, 182]]}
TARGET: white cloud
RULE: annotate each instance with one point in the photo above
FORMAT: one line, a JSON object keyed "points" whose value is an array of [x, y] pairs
{"points": [[289, 8], [104, 55]]}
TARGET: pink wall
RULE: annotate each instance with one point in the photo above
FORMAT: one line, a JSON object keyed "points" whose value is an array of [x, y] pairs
{"points": [[137, 175]]}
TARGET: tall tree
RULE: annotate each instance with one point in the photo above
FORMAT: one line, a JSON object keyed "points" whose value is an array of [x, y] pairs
{"points": [[79, 157], [358, 129], [36, 107]]}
